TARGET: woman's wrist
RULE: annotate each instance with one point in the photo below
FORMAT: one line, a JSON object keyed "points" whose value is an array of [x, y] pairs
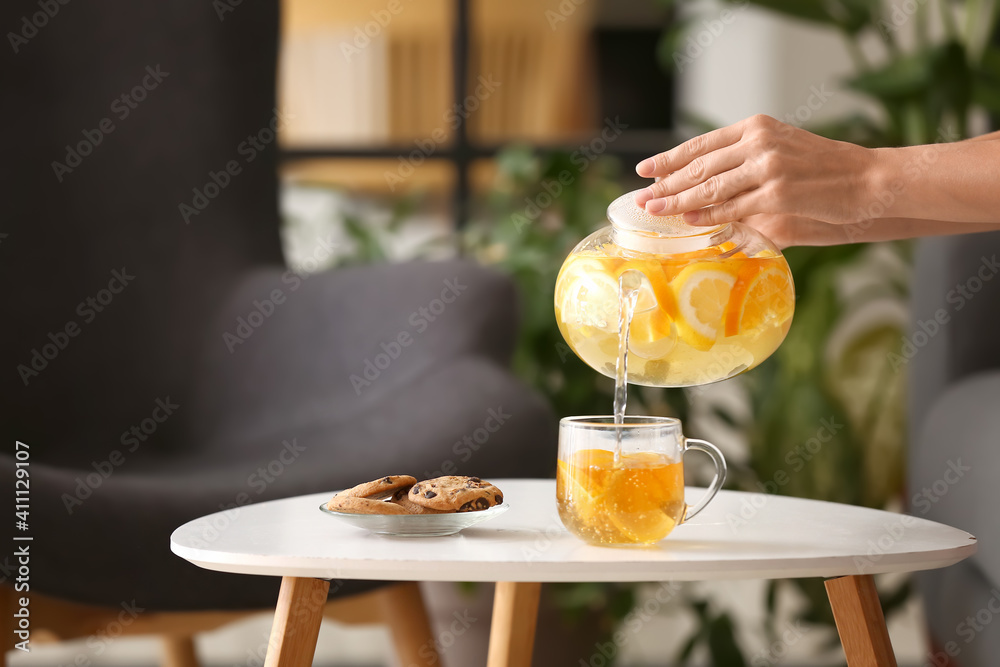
{"points": [[879, 185], [955, 181]]}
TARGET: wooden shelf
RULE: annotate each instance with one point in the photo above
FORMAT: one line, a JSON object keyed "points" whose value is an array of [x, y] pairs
{"points": [[368, 175], [365, 168]]}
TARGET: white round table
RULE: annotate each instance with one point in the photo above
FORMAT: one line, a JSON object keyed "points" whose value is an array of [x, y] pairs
{"points": [[738, 536]]}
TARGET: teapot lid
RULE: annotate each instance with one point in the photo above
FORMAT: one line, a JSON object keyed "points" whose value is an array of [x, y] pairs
{"points": [[626, 216], [638, 230]]}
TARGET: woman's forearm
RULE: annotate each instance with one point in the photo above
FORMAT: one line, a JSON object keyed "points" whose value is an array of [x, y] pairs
{"points": [[895, 229], [989, 136], [788, 231], [955, 181]]}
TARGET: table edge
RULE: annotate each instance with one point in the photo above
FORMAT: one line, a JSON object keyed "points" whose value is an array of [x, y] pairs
{"points": [[791, 568]]}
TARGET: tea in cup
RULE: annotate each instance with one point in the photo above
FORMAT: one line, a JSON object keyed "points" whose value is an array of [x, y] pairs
{"points": [[634, 496]]}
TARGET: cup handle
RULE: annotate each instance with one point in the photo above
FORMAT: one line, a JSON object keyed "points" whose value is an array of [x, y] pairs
{"points": [[717, 481]]}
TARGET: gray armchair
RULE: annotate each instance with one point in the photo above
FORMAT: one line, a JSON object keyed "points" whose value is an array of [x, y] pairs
{"points": [[161, 364], [955, 435]]}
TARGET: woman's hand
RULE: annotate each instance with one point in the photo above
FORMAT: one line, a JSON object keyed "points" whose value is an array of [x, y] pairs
{"points": [[760, 167], [792, 230], [801, 189]]}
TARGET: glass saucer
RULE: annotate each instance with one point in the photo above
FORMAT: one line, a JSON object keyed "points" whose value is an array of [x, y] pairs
{"points": [[417, 525]]}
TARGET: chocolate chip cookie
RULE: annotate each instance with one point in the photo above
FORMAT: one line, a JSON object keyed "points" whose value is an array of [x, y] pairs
{"points": [[455, 493], [355, 505], [380, 488], [401, 498]]}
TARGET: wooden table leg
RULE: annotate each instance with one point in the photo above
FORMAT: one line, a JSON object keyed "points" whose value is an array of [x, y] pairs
{"points": [[860, 622], [512, 631], [178, 651], [297, 618], [404, 612]]}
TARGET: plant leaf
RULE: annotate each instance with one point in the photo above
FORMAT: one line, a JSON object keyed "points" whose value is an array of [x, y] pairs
{"points": [[807, 10], [904, 76], [896, 599], [986, 82], [692, 643], [722, 643], [772, 596]]}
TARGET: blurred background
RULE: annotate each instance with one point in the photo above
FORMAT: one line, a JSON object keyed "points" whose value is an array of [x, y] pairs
{"points": [[433, 128]]}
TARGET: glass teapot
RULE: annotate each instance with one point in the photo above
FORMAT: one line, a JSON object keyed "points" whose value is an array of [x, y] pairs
{"points": [[707, 302]]}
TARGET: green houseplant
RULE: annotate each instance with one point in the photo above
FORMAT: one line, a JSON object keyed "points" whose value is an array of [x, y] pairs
{"points": [[835, 366]]}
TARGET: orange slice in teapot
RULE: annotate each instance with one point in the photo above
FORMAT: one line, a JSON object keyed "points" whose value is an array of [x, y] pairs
{"points": [[763, 292], [702, 292]]}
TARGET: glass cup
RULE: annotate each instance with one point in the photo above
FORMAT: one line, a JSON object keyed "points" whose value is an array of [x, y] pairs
{"points": [[637, 500]]}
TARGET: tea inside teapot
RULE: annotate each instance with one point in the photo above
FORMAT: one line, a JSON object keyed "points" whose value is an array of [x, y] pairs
{"points": [[707, 303]]}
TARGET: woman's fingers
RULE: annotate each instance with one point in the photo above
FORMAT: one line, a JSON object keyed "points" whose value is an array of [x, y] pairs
{"points": [[792, 171], [696, 171], [713, 190], [678, 157]]}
